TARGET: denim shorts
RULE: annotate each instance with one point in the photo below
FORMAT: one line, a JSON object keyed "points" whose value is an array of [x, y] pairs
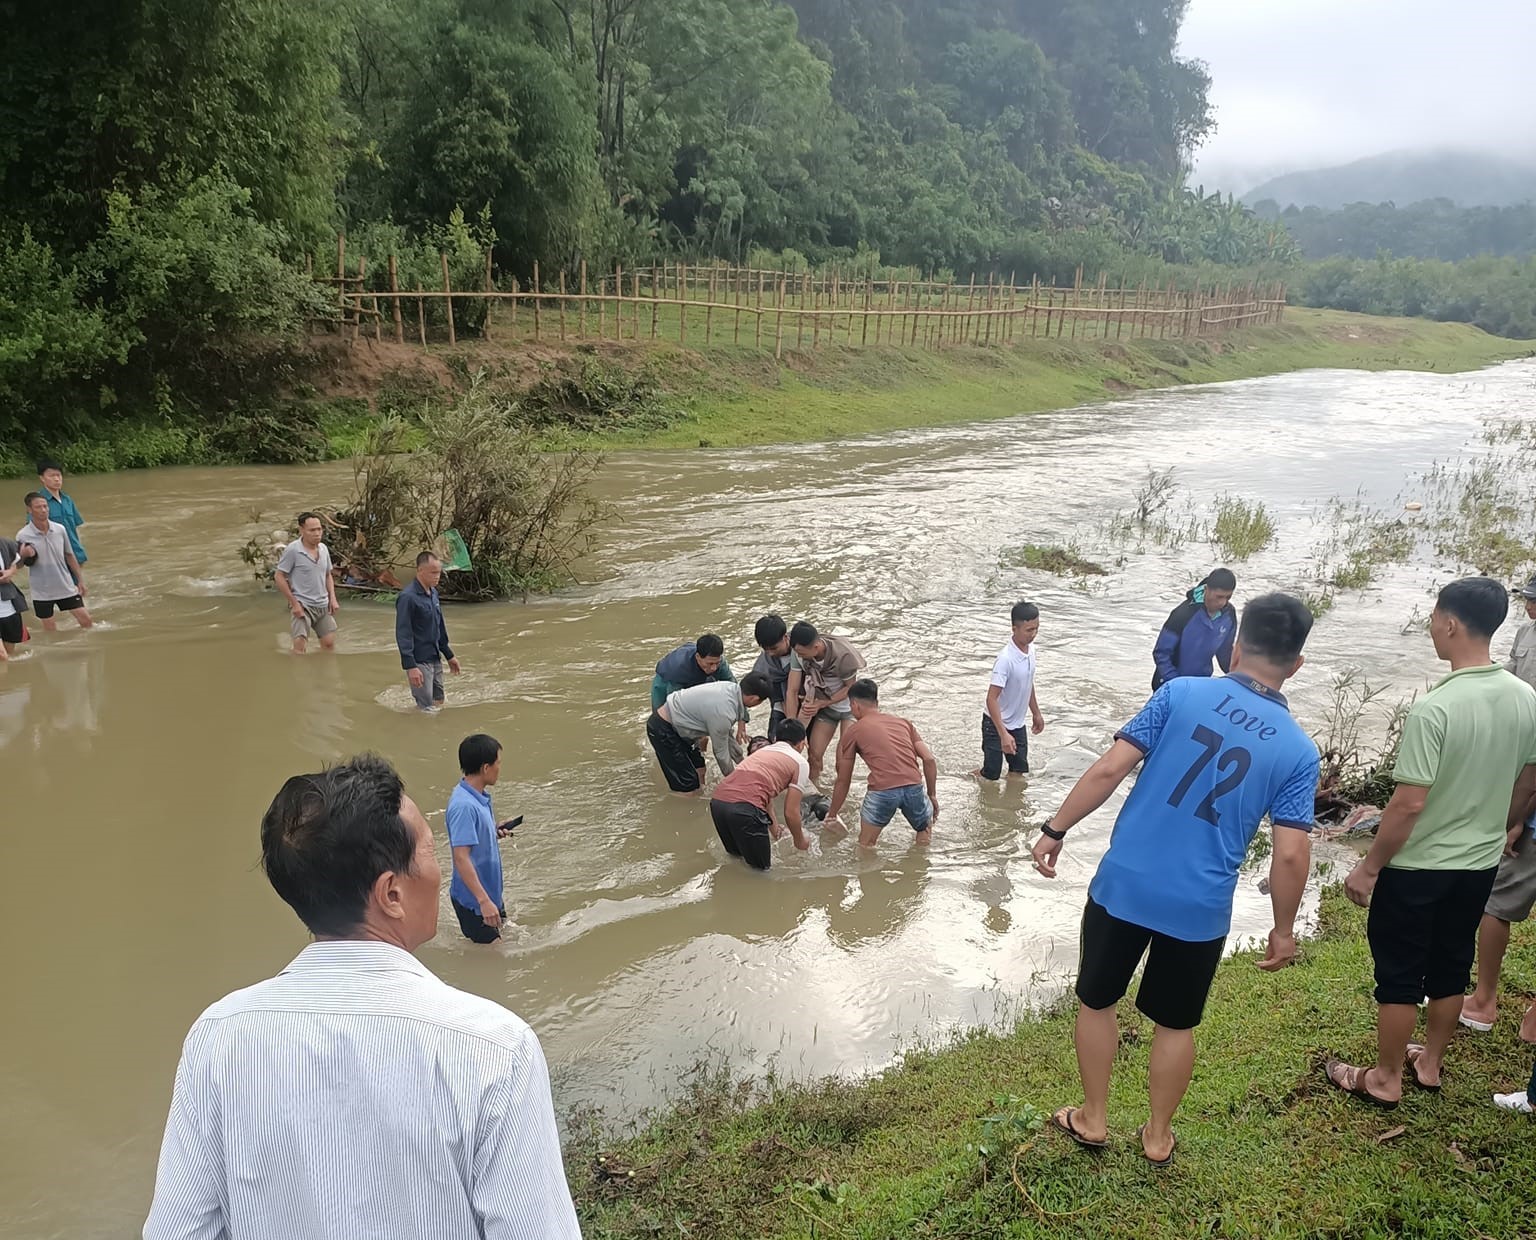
{"points": [[880, 807]]}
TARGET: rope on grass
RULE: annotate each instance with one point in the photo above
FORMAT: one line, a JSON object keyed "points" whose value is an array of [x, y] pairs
{"points": [[1029, 1197]]}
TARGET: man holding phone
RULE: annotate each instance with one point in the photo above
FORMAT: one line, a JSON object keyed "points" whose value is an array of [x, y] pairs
{"points": [[474, 835]]}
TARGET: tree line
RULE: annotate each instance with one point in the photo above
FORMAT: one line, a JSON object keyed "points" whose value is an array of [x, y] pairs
{"points": [[1436, 228]]}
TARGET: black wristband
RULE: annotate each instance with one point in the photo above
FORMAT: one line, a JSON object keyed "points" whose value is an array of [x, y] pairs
{"points": [[1050, 832]]}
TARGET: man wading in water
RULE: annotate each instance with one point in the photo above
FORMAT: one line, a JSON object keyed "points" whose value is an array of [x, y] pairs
{"points": [[304, 577], [1219, 755], [1198, 631], [421, 634]]}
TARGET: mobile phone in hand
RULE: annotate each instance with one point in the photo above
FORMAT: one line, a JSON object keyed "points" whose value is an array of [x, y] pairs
{"points": [[509, 826]]}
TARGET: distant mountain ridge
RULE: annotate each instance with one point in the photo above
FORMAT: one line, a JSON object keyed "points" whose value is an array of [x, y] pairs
{"points": [[1467, 178]]}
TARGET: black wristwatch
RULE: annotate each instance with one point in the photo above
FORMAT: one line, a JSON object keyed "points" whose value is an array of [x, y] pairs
{"points": [[1051, 833]]}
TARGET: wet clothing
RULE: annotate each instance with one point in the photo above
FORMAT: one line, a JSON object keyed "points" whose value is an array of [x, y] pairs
{"points": [[681, 670], [62, 511], [1220, 755], [420, 632], [1522, 653], [49, 576], [777, 671], [888, 744], [309, 577], [830, 673], [10, 592], [766, 774], [682, 762], [711, 710], [745, 830], [992, 754], [472, 825], [1191, 640], [1013, 675]]}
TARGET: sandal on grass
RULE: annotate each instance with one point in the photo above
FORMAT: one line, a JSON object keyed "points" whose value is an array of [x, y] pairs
{"points": [[1415, 1049], [1352, 1081], [1063, 1120], [1157, 1162]]}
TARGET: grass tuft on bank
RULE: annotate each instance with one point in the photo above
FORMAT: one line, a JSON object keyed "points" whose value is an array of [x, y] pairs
{"points": [[1266, 1147]]}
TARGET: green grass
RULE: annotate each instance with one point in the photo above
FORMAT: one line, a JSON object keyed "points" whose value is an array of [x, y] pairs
{"points": [[1266, 1147], [1060, 561], [1241, 529], [733, 397]]}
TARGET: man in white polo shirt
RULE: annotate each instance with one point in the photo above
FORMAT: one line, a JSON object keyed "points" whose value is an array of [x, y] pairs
{"points": [[1012, 710], [54, 577]]}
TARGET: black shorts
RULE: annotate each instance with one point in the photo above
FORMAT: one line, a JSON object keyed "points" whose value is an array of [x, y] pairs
{"points": [[11, 628], [681, 761], [1175, 983], [743, 829], [44, 607], [1422, 929], [473, 925]]}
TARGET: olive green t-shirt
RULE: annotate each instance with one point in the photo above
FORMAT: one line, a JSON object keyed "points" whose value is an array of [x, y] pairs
{"points": [[1466, 740]]}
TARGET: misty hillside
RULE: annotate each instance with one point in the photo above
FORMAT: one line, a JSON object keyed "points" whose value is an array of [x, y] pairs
{"points": [[1468, 178]]}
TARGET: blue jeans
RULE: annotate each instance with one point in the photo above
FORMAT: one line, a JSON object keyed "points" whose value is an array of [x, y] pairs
{"points": [[880, 807], [992, 754]]}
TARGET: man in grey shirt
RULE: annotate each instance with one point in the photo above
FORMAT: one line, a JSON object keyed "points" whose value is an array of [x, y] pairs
{"points": [[305, 579], [54, 577], [714, 711]]}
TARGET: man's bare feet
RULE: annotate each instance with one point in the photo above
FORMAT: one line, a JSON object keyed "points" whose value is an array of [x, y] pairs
{"points": [[924, 837]]}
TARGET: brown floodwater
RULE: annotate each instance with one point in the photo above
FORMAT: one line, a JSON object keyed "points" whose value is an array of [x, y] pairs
{"points": [[135, 760]]}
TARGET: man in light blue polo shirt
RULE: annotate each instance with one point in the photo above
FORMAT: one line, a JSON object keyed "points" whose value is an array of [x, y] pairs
{"points": [[474, 835], [1219, 755]]}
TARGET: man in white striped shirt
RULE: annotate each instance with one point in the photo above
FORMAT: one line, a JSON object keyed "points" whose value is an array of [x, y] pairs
{"points": [[356, 1095]]}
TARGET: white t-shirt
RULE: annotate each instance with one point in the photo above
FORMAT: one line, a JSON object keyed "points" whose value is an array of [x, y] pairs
{"points": [[7, 608], [1014, 674]]}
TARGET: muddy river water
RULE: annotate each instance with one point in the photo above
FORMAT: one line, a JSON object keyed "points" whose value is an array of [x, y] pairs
{"points": [[135, 760]]}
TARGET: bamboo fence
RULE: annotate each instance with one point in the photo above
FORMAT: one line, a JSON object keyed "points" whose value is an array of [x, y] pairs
{"points": [[713, 304]]}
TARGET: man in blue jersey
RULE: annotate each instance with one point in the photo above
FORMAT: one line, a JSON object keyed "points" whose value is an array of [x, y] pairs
{"points": [[1220, 754], [474, 835]]}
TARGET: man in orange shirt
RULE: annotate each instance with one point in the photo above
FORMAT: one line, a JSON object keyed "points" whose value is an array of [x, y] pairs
{"points": [[742, 804], [900, 764]]}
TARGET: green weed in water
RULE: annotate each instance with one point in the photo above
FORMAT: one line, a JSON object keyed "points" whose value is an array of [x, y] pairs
{"points": [[1060, 561], [1241, 530]]}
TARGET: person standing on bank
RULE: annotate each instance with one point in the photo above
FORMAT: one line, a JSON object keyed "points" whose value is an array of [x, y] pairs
{"points": [[705, 712], [475, 835], [1220, 754], [1011, 701], [61, 509], [55, 576], [422, 635], [1198, 631], [1465, 775], [13, 603], [355, 1094], [304, 577], [1514, 888]]}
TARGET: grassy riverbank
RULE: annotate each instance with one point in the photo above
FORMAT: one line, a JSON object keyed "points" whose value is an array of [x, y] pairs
{"points": [[1266, 1147]]}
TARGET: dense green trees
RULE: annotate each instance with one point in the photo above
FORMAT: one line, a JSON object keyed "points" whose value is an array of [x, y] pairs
{"points": [[1436, 228]]}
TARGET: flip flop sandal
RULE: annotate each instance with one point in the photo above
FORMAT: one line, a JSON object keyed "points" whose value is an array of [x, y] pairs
{"points": [[1157, 1162], [1415, 1049], [1063, 1121], [1358, 1089], [1477, 1026]]}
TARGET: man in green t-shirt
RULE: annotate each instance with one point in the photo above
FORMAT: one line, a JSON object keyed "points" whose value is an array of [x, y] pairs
{"points": [[1465, 773]]}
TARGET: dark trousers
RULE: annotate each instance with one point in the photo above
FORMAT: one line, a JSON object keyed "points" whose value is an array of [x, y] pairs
{"points": [[473, 925], [992, 754], [743, 829], [681, 760]]}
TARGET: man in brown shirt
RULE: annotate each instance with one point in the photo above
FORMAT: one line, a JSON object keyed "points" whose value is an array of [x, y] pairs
{"points": [[742, 805], [900, 764], [821, 672]]}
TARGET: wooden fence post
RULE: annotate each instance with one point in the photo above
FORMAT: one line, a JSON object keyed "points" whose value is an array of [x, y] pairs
{"points": [[758, 340], [618, 301], [682, 295], [489, 300], [394, 287], [778, 330], [655, 299], [562, 303], [447, 297], [341, 282], [538, 303], [421, 316]]}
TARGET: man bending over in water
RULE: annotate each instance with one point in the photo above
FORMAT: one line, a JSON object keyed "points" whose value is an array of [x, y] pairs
{"points": [[900, 764]]}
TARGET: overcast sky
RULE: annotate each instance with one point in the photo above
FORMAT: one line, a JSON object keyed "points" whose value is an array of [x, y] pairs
{"points": [[1307, 83]]}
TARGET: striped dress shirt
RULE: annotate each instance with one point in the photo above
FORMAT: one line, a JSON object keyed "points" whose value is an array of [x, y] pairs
{"points": [[357, 1096]]}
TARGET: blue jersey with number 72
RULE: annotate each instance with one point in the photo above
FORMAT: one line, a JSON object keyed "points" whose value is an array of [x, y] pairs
{"points": [[1220, 754]]}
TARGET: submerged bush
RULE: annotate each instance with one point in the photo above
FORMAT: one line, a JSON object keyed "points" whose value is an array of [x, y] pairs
{"points": [[1241, 529]]}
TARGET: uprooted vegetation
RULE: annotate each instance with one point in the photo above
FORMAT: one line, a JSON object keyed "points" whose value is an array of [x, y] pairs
{"points": [[1359, 746], [1060, 561], [525, 518]]}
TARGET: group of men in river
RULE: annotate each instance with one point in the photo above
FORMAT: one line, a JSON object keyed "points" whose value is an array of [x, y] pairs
{"points": [[48, 546]]}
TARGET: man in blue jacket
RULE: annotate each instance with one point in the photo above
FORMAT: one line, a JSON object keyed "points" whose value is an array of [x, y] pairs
{"points": [[1198, 631], [421, 634], [690, 665]]}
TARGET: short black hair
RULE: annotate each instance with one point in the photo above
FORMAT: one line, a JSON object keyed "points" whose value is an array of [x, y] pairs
{"points": [[769, 631], [1274, 628], [804, 634], [32, 495], [1023, 612], [865, 690], [790, 731], [426, 557], [1480, 603], [326, 838], [1221, 579], [310, 516], [478, 752], [755, 684], [47, 463], [709, 647]]}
